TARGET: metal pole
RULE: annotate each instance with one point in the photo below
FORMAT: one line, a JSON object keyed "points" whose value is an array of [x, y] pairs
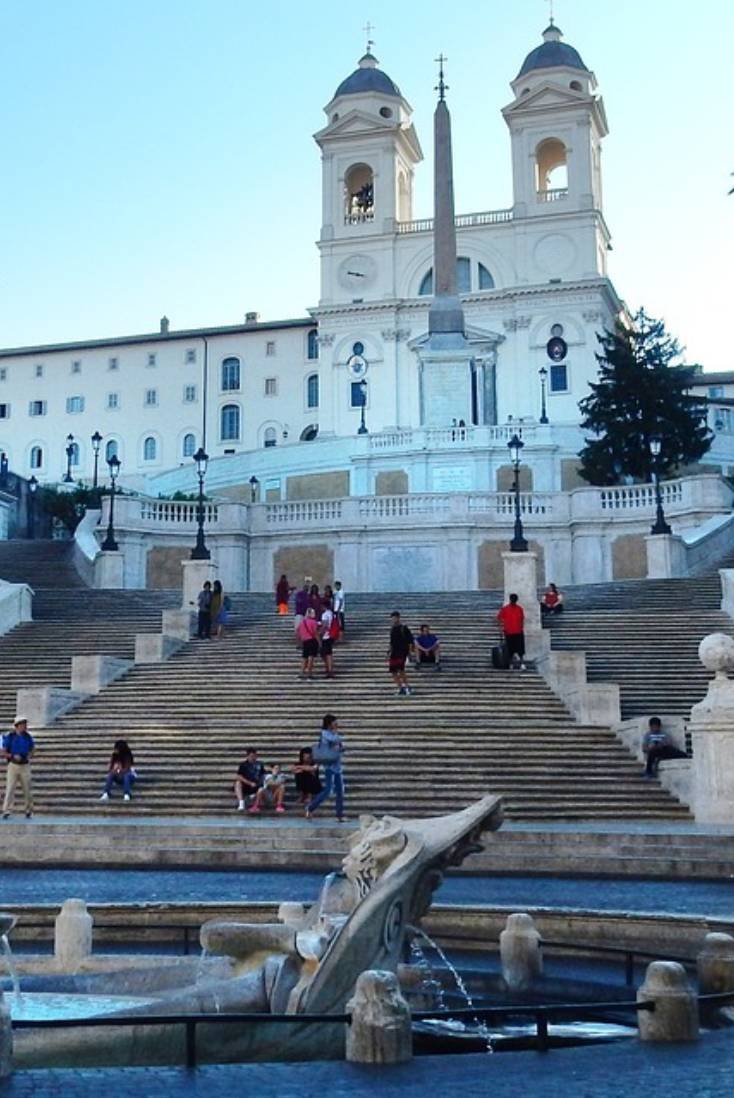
{"points": [[109, 544], [543, 414], [518, 543], [362, 425], [660, 526], [200, 551]]}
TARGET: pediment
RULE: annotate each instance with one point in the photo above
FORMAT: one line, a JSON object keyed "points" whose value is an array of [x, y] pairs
{"points": [[477, 339], [544, 96], [356, 122]]}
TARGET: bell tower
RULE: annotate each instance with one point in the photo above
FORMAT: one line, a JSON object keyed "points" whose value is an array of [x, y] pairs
{"points": [[556, 127], [369, 150]]}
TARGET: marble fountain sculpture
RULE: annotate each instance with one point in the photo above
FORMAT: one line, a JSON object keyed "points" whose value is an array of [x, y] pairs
{"points": [[307, 963]]}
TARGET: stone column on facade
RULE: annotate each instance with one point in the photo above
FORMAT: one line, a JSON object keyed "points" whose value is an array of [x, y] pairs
{"points": [[380, 1031], [675, 1017], [73, 935], [195, 574], [521, 578], [712, 734]]}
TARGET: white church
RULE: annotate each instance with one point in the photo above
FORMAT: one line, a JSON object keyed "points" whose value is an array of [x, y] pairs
{"points": [[382, 417]]}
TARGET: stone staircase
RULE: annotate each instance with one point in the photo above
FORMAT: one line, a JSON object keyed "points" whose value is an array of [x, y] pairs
{"points": [[644, 635], [466, 730]]}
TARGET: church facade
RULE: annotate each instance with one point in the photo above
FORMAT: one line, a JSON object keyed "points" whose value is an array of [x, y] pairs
{"points": [[346, 400]]}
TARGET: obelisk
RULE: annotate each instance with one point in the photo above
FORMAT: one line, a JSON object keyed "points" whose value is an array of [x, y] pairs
{"points": [[446, 315]]}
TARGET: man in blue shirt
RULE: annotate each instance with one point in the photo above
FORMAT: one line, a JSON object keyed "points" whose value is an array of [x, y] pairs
{"points": [[428, 648], [18, 747]]}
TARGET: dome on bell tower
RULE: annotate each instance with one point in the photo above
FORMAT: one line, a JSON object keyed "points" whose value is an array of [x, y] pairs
{"points": [[367, 77], [552, 54]]}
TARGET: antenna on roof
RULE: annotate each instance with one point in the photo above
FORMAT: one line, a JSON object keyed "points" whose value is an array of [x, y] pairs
{"points": [[368, 28]]}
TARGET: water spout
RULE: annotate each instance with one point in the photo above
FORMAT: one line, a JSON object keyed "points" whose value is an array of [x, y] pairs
{"points": [[11, 966], [482, 1029]]}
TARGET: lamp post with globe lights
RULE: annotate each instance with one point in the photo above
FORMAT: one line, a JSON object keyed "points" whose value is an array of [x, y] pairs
{"points": [[200, 551], [109, 544], [518, 543], [660, 526]]}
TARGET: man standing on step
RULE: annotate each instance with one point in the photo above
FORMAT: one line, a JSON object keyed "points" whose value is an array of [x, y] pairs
{"points": [[401, 645], [18, 748], [512, 622], [204, 603]]}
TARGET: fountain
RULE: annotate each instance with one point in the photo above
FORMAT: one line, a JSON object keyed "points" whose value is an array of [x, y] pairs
{"points": [[307, 963]]}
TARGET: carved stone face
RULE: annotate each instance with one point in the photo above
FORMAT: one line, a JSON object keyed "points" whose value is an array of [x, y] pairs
{"points": [[373, 849]]}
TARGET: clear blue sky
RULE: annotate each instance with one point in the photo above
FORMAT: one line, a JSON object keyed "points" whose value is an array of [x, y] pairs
{"points": [[157, 154]]}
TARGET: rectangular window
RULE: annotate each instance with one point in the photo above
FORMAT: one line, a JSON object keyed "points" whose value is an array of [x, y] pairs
{"points": [[37, 408], [189, 394], [74, 404], [559, 377], [113, 364], [356, 394], [271, 386], [190, 355], [39, 370], [76, 366], [113, 400], [4, 411], [231, 375], [151, 398], [270, 348], [151, 359]]}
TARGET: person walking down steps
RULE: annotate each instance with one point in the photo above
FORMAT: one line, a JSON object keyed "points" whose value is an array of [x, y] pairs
{"points": [[401, 645], [18, 747], [328, 753]]}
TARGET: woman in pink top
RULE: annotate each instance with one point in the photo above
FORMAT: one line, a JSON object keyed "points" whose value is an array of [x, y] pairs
{"points": [[308, 634]]}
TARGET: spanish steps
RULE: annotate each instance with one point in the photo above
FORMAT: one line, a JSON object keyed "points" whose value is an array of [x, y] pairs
{"points": [[465, 730]]}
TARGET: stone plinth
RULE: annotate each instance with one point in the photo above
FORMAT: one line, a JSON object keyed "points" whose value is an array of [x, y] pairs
{"points": [[195, 574], [712, 735], [44, 704], [380, 1032], [727, 590], [73, 935], [109, 568], [675, 1017], [90, 673], [521, 577], [666, 556], [178, 623], [715, 964], [522, 960], [155, 647]]}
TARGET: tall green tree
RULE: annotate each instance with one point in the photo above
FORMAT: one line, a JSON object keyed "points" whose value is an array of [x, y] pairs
{"points": [[640, 393]]}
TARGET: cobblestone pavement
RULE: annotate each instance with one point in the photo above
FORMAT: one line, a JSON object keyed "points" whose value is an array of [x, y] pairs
{"points": [[624, 1070], [26, 886]]}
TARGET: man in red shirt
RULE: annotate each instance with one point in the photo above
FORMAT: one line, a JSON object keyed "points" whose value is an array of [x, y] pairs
{"points": [[512, 622]]}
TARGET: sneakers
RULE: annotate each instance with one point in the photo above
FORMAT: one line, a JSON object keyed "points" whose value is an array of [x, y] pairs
{"points": [[253, 810], [105, 797], [404, 692], [126, 797], [28, 815], [6, 815], [279, 808], [240, 806], [523, 667]]}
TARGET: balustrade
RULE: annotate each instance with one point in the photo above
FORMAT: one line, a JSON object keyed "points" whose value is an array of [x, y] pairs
{"points": [[488, 217], [555, 194], [178, 512], [305, 511]]}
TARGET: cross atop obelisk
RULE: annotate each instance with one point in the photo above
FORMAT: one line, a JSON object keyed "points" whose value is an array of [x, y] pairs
{"points": [[442, 87]]}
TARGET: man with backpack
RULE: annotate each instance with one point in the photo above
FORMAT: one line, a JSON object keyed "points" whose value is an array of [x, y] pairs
{"points": [[401, 646]]}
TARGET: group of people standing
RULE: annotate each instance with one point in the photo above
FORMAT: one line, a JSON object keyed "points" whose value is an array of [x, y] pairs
{"points": [[213, 608], [318, 623]]}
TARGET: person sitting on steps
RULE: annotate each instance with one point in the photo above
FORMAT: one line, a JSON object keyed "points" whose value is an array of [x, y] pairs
{"points": [[658, 745], [249, 779], [428, 649], [272, 791], [306, 775], [552, 602], [121, 771]]}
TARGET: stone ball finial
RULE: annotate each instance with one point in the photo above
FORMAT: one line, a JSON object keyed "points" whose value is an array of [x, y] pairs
{"points": [[716, 652]]}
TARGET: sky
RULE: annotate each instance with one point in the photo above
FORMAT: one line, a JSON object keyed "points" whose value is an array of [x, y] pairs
{"points": [[157, 155]]}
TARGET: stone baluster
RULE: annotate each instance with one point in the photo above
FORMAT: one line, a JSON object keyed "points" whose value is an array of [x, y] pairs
{"points": [[380, 1032], [73, 935], [675, 1017]]}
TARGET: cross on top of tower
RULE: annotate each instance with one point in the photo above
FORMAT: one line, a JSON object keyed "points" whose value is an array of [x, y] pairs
{"points": [[442, 87], [550, 4], [368, 28]]}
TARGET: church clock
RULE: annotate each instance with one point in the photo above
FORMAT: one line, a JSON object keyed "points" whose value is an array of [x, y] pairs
{"points": [[357, 272]]}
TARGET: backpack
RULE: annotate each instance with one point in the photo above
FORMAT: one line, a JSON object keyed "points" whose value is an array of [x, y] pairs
{"points": [[323, 754], [227, 603]]}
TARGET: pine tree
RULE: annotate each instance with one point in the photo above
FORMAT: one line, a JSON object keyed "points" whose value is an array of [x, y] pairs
{"points": [[640, 393]]}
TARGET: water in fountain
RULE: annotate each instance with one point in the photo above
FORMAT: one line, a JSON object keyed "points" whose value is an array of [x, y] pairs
{"points": [[482, 1029], [10, 962], [201, 967], [429, 986]]}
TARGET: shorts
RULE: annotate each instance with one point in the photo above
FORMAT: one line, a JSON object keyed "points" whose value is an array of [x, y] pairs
{"points": [[327, 646], [515, 644], [396, 663], [310, 649]]}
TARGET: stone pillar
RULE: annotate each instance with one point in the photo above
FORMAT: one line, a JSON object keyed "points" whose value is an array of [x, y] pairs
{"points": [[109, 568], [666, 556], [521, 576], [522, 960], [712, 734], [675, 1017], [73, 935], [195, 574], [380, 1032], [6, 1039], [727, 590], [715, 964]]}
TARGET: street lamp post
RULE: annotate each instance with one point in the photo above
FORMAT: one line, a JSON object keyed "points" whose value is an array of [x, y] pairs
{"points": [[363, 393], [68, 478], [660, 526], [96, 443], [518, 543], [32, 489], [200, 551], [109, 544], [254, 485], [543, 373]]}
